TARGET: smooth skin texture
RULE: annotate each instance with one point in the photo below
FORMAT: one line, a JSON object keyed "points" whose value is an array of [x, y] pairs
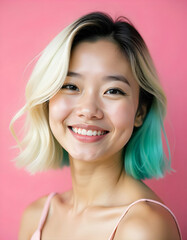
{"points": [[99, 91]]}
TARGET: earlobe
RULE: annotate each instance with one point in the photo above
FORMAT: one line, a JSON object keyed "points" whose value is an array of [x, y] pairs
{"points": [[140, 115]]}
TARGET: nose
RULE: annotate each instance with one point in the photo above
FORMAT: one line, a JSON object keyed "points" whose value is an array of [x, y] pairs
{"points": [[89, 108]]}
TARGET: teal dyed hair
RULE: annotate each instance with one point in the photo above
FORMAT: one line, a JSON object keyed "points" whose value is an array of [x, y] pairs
{"points": [[144, 154], [65, 161]]}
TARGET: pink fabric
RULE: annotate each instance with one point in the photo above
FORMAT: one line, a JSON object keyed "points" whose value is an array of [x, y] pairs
{"points": [[37, 234], [144, 200]]}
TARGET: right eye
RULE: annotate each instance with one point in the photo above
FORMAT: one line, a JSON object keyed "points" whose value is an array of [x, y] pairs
{"points": [[70, 87]]}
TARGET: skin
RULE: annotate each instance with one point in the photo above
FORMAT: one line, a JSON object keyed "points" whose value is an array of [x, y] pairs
{"points": [[101, 190]]}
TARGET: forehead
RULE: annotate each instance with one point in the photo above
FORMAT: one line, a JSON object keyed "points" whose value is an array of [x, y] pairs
{"points": [[102, 57], [99, 50]]}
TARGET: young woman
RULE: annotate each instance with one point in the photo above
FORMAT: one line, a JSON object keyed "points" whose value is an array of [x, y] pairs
{"points": [[94, 102]]}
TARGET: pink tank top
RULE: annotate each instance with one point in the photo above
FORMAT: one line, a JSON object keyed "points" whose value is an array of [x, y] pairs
{"points": [[37, 234]]}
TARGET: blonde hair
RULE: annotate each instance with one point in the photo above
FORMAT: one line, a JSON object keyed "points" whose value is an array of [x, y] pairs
{"points": [[39, 149]]}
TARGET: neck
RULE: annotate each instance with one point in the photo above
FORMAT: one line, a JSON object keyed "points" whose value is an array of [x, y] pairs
{"points": [[94, 183]]}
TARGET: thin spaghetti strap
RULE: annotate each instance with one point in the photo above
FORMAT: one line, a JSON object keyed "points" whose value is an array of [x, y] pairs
{"points": [[45, 211], [144, 200], [37, 233]]}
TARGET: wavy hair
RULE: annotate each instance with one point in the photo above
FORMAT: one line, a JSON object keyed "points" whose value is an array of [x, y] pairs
{"points": [[144, 156]]}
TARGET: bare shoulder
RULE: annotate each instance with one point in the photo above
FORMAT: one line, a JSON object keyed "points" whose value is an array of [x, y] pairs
{"points": [[30, 218], [147, 221]]}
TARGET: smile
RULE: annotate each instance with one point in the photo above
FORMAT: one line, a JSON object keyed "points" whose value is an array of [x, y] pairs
{"points": [[88, 135], [85, 132]]}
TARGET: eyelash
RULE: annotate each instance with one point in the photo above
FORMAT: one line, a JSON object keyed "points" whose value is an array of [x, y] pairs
{"points": [[113, 91], [70, 87], [117, 91]]}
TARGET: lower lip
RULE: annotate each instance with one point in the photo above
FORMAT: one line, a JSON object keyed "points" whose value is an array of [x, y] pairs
{"points": [[87, 139]]}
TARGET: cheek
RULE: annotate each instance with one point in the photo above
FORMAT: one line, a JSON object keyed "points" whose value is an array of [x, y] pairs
{"points": [[58, 109], [123, 115]]}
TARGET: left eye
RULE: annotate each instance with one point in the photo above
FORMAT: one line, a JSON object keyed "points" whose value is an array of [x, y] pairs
{"points": [[115, 91], [70, 87]]}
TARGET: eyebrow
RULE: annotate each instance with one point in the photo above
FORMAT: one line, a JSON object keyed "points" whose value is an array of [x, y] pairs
{"points": [[73, 74], [110, 77], [117, 78]]}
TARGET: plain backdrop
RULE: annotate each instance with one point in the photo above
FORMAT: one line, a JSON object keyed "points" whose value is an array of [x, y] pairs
{"points": [[26, 27]]}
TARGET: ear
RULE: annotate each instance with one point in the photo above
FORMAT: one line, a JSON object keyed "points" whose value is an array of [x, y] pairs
{"points": [[140, 115]]}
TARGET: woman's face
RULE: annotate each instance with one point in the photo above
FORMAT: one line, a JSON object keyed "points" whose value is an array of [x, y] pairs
{"points": [[94, 113]]}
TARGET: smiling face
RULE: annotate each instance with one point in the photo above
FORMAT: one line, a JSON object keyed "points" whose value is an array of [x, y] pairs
{"points": [[94, 113]]}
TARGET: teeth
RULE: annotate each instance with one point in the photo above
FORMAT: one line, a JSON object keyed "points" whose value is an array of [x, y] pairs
{"points": [[94, 133], [89, 133], [85, 132], [75, 130]]}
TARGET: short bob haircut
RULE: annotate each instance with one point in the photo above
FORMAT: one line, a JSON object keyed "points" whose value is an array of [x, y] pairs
{"points": [[144, 156]]}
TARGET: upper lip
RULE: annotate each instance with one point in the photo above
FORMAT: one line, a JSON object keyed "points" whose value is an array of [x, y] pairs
{"points": [[88, 127]]}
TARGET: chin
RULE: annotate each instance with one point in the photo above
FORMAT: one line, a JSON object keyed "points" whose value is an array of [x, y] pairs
{"points": [[85, 157]]}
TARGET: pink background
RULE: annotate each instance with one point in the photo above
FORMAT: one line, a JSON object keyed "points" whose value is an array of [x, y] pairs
{"points": [[26, 27]]}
